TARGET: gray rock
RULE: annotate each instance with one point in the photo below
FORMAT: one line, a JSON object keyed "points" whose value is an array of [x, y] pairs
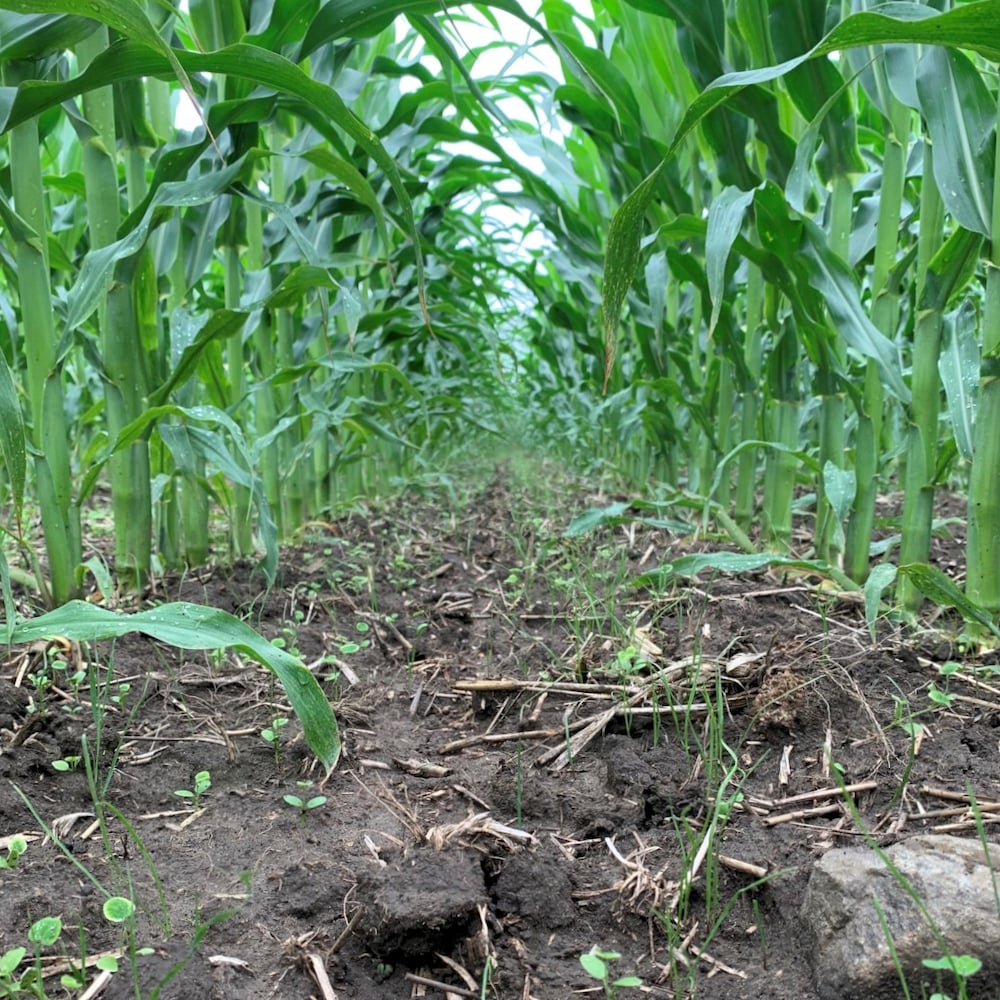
{"points": [[951, 877]]}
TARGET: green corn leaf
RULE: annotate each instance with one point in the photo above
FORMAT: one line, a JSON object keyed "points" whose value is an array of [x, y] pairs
{"points": [[192, 626], [127, 17], [618, 513], [816, 86], [725, 219], [238, 463], [951, 269], [9, 607], [961, 118], [325, 107], [836, 281], [219, 326], [938, 587], [879, 579], [973, 26], [364, 18], [958, 365], [592, 519], [287, 22], [98, 268], [12, 437], [34, 36], [622, 260], [751, 444], [354, 180], [737, 562]]}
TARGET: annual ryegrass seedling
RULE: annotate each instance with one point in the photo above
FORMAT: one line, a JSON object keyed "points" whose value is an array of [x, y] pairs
{"points": [[305, 805], [16, 846], [202, 783], [596, 964]]}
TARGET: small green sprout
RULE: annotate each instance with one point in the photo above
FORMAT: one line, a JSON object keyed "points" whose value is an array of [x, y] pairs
{"points": [[16, 846], [9, 961], [595, 964], [123, 690], [304, 805], [940, 697], [963, 966], [202, 783], [346, 648], [272, 735], [67, 763]]}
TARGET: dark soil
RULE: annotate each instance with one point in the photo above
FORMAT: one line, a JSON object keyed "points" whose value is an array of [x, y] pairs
{"points": [[460, 824]]}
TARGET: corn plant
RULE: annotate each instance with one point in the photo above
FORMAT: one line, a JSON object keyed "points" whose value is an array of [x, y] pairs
{"points": [[295, 264], [875, 290]]}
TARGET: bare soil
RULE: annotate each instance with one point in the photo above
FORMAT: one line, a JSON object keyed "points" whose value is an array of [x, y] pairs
{"points": [[528, 768]]}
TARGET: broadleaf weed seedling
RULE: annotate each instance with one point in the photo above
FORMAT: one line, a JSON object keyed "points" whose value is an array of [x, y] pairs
{"points": [[304, 805], [596, 964], [202, 783], [349, 647], [962, 966], [272, 735], [42, 934], [16, 846]]}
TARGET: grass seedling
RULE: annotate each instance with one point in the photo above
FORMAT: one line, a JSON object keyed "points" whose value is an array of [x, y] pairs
{"points": [[202, 783], [596, 964], [304, 805]]}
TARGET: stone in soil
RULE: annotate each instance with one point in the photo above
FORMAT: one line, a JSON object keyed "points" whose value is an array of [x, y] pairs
{"points": [[952, 878]]}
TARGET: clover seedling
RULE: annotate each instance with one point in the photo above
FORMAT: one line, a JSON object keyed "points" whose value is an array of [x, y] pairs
{"points": [[16, 846], [68, 763], [595, 964], [202, 783]]}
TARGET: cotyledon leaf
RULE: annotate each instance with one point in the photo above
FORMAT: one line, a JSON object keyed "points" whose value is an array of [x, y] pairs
{"points": [[194, 626]]}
